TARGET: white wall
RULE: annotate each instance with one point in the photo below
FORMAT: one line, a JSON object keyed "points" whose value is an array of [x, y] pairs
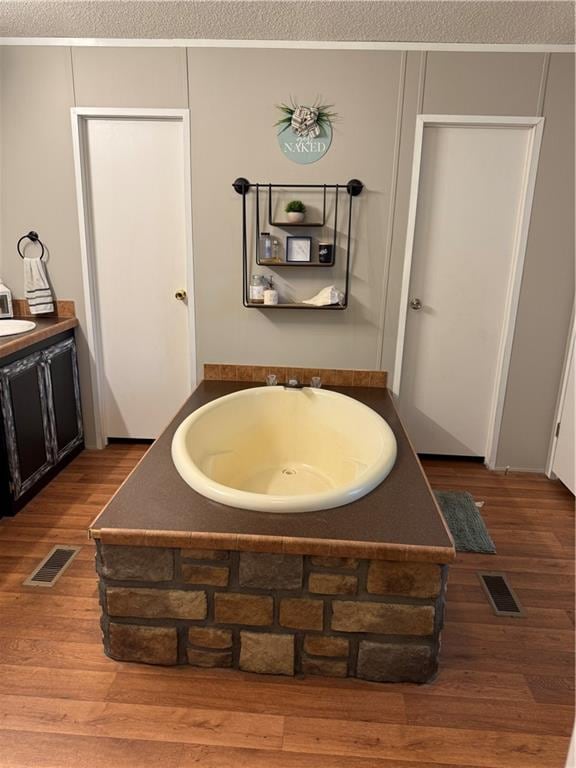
{"points": [[231, 94]]}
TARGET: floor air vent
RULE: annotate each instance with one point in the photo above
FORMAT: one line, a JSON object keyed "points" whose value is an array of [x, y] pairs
{"points": [[502, 599], [52, 567]]}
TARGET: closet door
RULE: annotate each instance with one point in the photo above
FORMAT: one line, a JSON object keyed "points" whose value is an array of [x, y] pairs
{"points": [[136, 182], [468, 202]]}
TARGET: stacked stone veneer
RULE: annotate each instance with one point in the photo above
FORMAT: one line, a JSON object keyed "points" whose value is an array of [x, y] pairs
{"points": [[278, 614]]}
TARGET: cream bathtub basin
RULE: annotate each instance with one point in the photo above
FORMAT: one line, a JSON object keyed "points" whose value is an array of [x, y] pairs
{"points": [[273, 449]]}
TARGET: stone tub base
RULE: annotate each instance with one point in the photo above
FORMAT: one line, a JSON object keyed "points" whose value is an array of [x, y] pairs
{"points": [[276, 614]]}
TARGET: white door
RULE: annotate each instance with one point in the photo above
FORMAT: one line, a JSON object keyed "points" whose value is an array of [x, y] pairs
{"points": [[469, 210], [563, 463], [135, 178]]}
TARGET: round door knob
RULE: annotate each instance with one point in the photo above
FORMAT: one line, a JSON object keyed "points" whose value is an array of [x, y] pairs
{"points": [[180, 295], [415, 304]]}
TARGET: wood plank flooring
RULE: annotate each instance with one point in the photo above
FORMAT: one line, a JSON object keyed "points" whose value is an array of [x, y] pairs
{"points": [[504, 697]]}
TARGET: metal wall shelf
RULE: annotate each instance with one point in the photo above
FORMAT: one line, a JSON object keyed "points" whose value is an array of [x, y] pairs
{"points": [[294, 305], [288, 224], [262, 263], [242, 186]]}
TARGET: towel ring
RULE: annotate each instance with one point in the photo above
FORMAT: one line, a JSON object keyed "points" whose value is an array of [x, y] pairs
{"points": [[33, 237]]}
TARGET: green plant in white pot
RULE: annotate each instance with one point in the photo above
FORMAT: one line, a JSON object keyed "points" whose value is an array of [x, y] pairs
{"points": [[295, 211]]}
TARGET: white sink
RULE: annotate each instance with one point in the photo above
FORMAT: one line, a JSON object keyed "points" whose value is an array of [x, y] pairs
{"points": [[11, 327], [273, 449]]}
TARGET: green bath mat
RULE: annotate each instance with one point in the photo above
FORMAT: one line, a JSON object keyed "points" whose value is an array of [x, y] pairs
{"points": [[465, 523]]}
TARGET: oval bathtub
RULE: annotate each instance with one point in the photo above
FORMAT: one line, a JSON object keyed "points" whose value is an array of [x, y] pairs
{"points": [[274, 449]]}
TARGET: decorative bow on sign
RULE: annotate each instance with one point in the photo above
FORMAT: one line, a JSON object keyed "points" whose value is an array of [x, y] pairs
{"points": [[304, 122]]}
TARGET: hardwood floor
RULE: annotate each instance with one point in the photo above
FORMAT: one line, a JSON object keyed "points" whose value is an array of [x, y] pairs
{"points": [[503, 699]]}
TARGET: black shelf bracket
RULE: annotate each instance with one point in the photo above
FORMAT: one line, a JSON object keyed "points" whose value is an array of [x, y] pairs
{"points": [[243, 186], [354, 187]]}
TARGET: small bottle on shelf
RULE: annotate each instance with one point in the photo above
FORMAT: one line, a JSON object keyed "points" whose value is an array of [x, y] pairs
{"points": [[258, 284], [268, 250], [325, 253], [270, 294]]}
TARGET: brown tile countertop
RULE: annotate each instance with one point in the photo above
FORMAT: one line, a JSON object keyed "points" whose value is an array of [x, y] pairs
{"points": [[45, 328], [398, 520]]}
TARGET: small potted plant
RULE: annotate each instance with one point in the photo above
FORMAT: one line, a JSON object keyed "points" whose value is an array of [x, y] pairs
{"points": [[295, 210]]}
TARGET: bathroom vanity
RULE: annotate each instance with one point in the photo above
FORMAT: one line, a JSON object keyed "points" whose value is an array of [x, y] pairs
{"points": [[41, 417], [357, 590]]}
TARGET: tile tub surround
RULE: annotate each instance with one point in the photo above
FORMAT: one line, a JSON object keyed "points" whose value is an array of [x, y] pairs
{"points": [[62, 309], [272, 613], [330, 376]]}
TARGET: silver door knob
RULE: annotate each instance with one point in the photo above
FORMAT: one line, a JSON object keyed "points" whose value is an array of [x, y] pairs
{"points": [[415, 304], [180, 295]]}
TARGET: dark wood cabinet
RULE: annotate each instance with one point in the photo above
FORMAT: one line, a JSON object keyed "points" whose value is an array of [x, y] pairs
{"points": [[63, 398], [41, 421], [26, 424]]}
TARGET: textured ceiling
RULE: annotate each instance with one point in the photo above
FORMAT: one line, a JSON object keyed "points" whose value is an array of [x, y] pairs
{"points": [[425, 21]]}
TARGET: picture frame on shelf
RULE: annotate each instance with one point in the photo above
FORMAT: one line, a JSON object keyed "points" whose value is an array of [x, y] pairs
{"points": [[298, 249]]}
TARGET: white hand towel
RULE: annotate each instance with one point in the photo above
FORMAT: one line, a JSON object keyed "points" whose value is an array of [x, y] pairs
{"points": [[325, 297], [36, 287]]}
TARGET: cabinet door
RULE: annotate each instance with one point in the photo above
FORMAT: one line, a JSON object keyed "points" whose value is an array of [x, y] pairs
{"points": [[26, 424], [63, 397]]}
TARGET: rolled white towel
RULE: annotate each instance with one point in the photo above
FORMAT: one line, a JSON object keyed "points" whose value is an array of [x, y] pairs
{"points": [[36, 287], [325, 297]]}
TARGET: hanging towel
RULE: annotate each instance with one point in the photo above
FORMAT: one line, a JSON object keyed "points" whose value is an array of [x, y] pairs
{"points": [[36, 287]]}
